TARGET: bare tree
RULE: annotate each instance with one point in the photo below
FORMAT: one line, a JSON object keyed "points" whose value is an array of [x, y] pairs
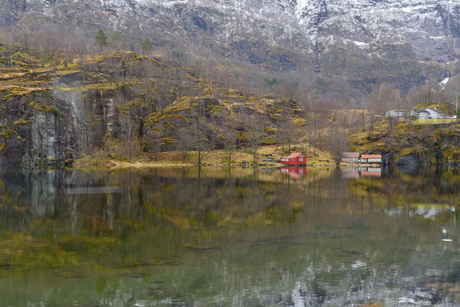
{"points": [[196, 136], [230, 143], [290, 88], [315, 130], [152, 143], [184, 142], [384, 98], [255, 133], [337, 143], [286, 133], [7, 36], [428, 93]]}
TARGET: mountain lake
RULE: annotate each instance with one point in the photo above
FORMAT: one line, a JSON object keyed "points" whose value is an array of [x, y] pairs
{"points": [[230, 237]]}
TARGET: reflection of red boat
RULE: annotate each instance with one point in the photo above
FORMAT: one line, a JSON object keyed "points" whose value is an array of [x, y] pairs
{"points": [[295, 172], [98, 222]]}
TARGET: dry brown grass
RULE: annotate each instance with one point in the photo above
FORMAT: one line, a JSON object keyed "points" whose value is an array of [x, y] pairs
{"points": [[214, 158]]}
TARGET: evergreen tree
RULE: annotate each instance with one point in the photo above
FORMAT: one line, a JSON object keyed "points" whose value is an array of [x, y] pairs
{"points": [[101, 39], [115, 40], [146, 45], [116, 36]]}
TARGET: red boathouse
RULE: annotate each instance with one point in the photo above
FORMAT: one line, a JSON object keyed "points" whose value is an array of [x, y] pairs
{"points": [[293, 159]]}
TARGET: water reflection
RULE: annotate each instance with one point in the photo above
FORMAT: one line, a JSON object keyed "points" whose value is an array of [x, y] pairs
{"points": [[238, 237], [358, 172], [295, 172], [93, 190]]}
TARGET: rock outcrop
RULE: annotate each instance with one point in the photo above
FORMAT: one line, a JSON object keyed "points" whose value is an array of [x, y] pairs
{"points": [[56, 126]]}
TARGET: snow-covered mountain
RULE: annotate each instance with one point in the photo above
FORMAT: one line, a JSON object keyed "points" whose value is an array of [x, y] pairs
{"points": [[431, 27], [352, 36]]}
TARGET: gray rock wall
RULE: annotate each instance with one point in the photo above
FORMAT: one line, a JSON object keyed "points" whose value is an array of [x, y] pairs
{"points": [[41, 135]]}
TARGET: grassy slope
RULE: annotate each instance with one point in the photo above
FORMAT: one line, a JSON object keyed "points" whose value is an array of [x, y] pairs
{"points": [[28, 77]]}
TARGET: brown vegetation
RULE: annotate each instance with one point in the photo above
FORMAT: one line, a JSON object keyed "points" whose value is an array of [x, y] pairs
{"points": [[161, 105]]}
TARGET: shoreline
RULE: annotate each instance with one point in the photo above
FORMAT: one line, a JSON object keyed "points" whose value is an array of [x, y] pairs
{"points": [[138, 164]]}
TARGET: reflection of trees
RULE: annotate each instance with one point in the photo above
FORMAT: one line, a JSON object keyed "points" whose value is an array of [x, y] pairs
{"points": [[36, 203], [426, 186], [322, 244], [32, 195]]}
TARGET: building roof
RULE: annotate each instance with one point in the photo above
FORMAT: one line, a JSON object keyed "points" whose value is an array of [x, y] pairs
{"points": [[441, 112], [351, 154], [295, 155], [371, 156]]}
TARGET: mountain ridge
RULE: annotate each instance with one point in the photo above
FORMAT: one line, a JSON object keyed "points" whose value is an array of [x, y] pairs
{"points": [[359, 21], [350, 39]]}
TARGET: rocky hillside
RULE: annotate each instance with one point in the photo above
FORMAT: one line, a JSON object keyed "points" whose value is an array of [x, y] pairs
{"points": [[128, 105], [412, 142], [357, 42]]}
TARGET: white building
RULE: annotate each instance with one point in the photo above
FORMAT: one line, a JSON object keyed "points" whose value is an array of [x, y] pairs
{"points": [[423, 114], [396, 113], [427, 113], [435, 114]]}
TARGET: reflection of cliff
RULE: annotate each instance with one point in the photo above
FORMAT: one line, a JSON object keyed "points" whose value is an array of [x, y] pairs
{"points": [[33, 192], [325, 243], [411, 169], [60, 217], [69, 194], [78, 209]]}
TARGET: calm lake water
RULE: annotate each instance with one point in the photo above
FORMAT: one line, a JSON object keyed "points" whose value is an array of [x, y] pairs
{"points": [[240, 237]]}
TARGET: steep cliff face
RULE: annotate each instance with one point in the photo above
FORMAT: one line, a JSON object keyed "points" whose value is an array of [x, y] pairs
{"points": [[431, 28], [55, 126], [364, 42]]}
